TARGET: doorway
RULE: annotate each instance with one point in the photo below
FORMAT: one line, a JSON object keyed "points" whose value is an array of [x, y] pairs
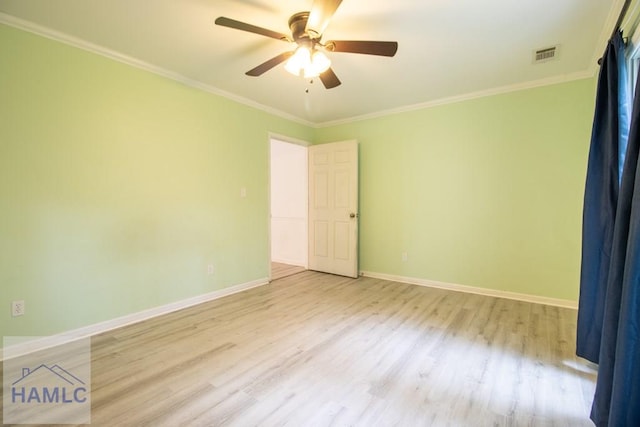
{"points": [[289, 207]]}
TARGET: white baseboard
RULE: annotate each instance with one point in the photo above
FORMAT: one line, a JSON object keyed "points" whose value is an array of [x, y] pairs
{"points": [[473, 290], [98, 328], [108, 325]]}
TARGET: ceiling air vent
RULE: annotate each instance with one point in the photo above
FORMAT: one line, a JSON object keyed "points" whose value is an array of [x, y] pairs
{"points": [[545, 55]]}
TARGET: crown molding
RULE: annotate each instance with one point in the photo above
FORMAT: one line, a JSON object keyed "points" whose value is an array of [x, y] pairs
{"points": [[466, 97], [49, 33], [67, 39]]}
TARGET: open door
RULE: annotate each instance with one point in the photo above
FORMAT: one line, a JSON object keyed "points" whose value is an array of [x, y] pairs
{"points": [[333, 208]]}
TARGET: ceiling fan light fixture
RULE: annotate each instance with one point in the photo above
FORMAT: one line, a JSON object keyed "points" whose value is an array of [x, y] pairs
{"points": [[303, 63], [320, 62], [308, 59], [299, 61]]}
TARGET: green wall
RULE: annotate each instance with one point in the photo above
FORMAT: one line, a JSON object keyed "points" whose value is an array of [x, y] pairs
{"points": [[118, 187], [484, 193]]}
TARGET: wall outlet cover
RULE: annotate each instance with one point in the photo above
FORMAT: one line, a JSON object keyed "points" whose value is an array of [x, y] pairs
{"points": [[17, 308]]}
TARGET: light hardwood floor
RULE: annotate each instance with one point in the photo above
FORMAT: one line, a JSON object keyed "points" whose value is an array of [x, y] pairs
{"points": [[279, 270], [319, 350]]}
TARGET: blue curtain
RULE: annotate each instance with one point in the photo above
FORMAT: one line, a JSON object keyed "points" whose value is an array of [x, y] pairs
{"points": [[617, 398], [601, 197], [617, 337]]}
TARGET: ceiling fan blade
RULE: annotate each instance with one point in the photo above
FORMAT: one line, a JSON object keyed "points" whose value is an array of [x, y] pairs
{"points": [[232, 23], [267, 65], [320, 15], [365, 47], [329, 79]]}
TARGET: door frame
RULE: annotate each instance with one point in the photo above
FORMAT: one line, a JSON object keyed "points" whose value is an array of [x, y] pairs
{"points": [[290, 140]]}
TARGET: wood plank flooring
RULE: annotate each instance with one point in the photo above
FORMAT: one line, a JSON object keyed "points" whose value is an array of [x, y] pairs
{"points": [[279, 270], [321, 350]]}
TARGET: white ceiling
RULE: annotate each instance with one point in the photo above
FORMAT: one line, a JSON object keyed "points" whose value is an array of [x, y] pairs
{"points": [[448, 49]]}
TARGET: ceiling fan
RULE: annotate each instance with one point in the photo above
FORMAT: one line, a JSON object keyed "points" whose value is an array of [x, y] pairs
{"points": [[308, 59]]}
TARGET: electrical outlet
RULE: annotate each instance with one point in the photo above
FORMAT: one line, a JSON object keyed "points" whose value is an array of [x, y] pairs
{"points": [[17, 308], [404, 257], [210, 269]]}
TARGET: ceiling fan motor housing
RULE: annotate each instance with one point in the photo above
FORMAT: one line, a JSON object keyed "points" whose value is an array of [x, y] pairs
{"points": [[298, 24]]}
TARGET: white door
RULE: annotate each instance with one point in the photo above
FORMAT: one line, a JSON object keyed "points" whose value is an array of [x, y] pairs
{"points": [[333, 208]]}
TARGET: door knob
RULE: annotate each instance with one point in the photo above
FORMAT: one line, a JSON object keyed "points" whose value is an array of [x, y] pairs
{"points": [[353, 215]]}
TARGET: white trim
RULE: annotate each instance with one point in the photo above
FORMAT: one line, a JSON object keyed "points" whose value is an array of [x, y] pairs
{"points": [[605, 34], [119, 322], [100, 50], [632, 18], [466, 97], [31, 27], [289, 139], [474, 290]]}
